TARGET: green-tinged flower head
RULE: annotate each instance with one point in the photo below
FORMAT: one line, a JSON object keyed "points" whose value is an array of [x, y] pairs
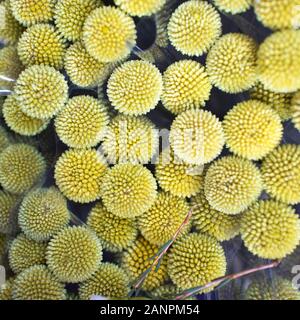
{"points": [[41, 91], [108, 281], [232, 184], [18, 121], [74, 254], [195, 260], [79, 174], [281, 173], [296, 110], [137, 259], [186, 86], [4, 139], [231, 63], [197, 137], [194, 27], [278, 61], [109, 34], [128, 190], [233, 6], [24, 253], [43, 213], [130, 139], [252, 129], [114, 233], [140, 8], [6, 290], [38, 283], [82, 122], [135, 87], [21, 166], [7, 210]]}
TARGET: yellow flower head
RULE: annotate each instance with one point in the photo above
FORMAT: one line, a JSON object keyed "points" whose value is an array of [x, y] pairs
{"points": [[296, 110], [4, 139], [140, 8], [6, 290], [8, 203], [233, 6]]}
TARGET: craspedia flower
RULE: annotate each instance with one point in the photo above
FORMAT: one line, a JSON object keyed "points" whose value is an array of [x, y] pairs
{"points": [[38, 283], [296, 110], [6, 290], [82, 122], [186, 86], [83, 69], [79, 174], [114, 233], [70, 16], [41, 91], [33, 11], [280, 102], [108, 281], [270, 229], [4, 139], [215, 223], [159, 224], [130, 139], [232, 184], [194, 27], [137, 259], [281, 173], [233, 6], [41, 44], [195, 260], [109, 34], [278, 14], [24, 253], [74, 254], [21, 166], [135, 87], [128, 190], [278, 61], [18, 121], [43, 213], [197, 136], [7, 207], [252, 129], [140, 8], [231, 63]]}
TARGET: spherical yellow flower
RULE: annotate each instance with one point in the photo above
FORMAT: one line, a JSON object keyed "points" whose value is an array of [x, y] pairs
{"points": [[21, 166], [128, 190], [38, 283], [165, 292], [109, 281], [296, 110], [233, 6], [130, 139], [280, 102], [24, 253], [41, 91], [159, 224], [137, 259], [82, 122], [278, 14], [18, 121], [231, 63], [114, 233], [6, 290], [43, 213], [33, 11], [197, 136], [4, 139], [281, 173], [186, 86], [41, 44], [109, 34], [194, 27], [140, 8], [270, 229], [135, 87], [8, 203], [278, 61], [232, 184], [74, 254], [79, 174], [195, 260], [213, 222], [70, 16], [252, 129]]}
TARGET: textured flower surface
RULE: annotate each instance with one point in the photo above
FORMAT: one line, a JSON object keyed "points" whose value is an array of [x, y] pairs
{"points": [[233, 6], [140, 7], [8, 208], [296, 110]]}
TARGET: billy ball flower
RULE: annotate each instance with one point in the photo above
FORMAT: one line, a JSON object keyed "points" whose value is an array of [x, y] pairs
{"points": [[233, 6], [186, 86], [231, 63], [74, 254], [140, 7], [194, 27], [79, 174], [296, 110], [270, 229], [232, 184], [4, 139], [6, 289], [8, 203], [135, 87]]}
